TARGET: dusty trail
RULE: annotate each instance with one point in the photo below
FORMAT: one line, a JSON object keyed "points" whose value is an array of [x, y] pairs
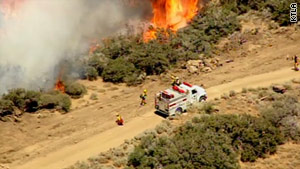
{"points": [[116, 136]]}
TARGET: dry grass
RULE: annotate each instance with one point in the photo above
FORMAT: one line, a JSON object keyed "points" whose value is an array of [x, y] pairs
{"points": [[101, 90], [94, 96], [113, 89], [287, 157]]}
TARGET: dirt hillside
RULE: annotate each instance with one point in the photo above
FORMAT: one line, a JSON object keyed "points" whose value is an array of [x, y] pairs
{"points": [[115, 136]]}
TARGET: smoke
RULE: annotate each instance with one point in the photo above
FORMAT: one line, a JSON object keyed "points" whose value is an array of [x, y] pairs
{"points": [[43, 33]]}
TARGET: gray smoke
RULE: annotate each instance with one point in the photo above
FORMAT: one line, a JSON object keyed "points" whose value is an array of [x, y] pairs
{"points": [[45, 32]]}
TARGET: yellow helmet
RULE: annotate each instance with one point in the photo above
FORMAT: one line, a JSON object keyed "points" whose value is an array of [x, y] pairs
{"points": [[117, 114], [145, 91]]}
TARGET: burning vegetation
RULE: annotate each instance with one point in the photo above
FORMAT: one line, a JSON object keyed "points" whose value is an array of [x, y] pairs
{"points": [[62, 34], [59, 85], [171, 14], [94, 45]]}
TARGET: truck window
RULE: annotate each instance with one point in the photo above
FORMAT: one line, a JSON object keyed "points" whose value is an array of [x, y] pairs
{"points": [[194, 91]]}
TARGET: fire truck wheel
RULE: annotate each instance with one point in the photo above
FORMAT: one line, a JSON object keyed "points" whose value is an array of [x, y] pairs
{"points": [[202, 99], [178, 111]]}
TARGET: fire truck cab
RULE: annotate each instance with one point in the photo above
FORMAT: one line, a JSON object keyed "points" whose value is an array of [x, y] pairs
{"points": [[177, 99]]}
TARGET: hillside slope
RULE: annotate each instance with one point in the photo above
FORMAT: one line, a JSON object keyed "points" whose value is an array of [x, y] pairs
{"points": [[115, 136]]}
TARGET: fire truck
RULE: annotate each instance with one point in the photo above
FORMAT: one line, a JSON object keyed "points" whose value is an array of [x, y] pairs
{"points": [[176, 100]]}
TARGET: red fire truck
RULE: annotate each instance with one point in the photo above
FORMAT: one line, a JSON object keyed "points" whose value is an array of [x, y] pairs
{"points": [[176, 99]]}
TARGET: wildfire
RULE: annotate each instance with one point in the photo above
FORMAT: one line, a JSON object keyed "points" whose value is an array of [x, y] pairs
{"points": [[9, 8], [93, 47], [171, 14], [59, 85]]}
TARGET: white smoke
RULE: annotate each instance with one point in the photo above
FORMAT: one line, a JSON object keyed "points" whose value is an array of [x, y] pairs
{"points": [[44, 32]]}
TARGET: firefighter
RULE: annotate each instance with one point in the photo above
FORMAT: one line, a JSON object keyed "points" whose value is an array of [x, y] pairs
{"points": [[176, 81], [296, 62], [119, 120], [143, 97]]}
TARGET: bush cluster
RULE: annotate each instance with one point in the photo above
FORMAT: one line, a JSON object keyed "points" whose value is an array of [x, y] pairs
{"points": [[284, 114], [128, 57], [279, 9], [31, 101], [75, 90], [6, 108], [55, 101], [119, 70], [212, 141], [23, 99]]}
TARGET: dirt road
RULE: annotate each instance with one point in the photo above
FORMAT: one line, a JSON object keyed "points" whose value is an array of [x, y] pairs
{"points": [[116, 136]]}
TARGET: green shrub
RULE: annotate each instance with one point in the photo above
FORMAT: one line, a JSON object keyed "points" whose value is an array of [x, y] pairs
{"points": [[6, 107], [133, 79], [94, 96], [148, 60], [244, 90], [24, 100], [232, 93], [75, 90], [242, 6], [283, 114], [209, 151], [31, 102], [135, 158], [48, 101], [91, 73], [280, 9], [207, 108], [98, 62], [206, 29], [118, 70], [212, 141], [17, 96], [64, 102], [255, 133], [55, 101]]}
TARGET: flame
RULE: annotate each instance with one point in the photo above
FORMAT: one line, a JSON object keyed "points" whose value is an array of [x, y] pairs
{"points": [[9, 8], [171, 14], [59, 85], [93, 46]]}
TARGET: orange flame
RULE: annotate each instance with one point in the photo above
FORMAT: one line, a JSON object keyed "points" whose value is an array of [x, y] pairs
{"points": [[94, 46], [59, 85], [171, 14], [9, 8]]}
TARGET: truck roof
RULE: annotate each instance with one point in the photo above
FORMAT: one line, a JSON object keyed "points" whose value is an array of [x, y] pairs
{"points": [[184, 87], [175, 93], [178, 94]]}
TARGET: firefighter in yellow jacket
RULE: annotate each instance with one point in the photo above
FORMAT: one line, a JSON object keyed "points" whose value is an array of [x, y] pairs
{"points": [[296, 63], [119, 120], [143, 97]]}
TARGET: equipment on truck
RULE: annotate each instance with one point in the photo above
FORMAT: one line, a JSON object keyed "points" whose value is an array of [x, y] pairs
{"points": [[176, 99], [175, 80]]}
